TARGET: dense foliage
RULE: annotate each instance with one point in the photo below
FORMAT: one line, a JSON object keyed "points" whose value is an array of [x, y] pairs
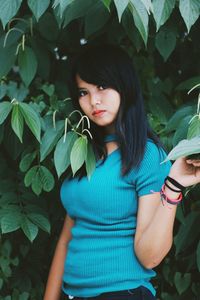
{"points": [[42, 139]]}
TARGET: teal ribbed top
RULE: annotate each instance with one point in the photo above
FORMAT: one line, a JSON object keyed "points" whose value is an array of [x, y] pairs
{"points": [[100, 256]]}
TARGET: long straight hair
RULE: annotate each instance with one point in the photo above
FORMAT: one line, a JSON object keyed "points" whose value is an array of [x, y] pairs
{"points": [[110, 65]]}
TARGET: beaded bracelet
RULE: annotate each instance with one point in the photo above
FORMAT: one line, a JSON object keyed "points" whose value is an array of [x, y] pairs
{"points": [[164, 197]]}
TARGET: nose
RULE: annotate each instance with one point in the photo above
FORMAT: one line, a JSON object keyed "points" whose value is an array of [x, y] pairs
{"points": [[95, 99]]}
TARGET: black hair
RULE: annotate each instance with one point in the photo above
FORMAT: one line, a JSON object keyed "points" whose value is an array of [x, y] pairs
{"points": [[111, 66]]}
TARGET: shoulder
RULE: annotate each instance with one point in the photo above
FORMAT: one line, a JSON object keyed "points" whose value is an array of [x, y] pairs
{"points": [[153, 154]]}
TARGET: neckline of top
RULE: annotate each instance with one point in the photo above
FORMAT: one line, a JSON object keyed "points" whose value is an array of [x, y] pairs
{"points": [[112, 137]]}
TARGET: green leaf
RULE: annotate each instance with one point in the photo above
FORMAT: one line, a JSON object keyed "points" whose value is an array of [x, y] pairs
{"points": [[8, 9], [90, 160], [8, 58], [140, 17], [78, 154], [48, 27], [50, 138], [29, 229], [10, 221], [181, 131], [198, 256], [36, 183], [107, 3], [5, 108], [96, 17], [62, 152], [26, 161], [49, 89], [41, 221], [148, 5], [194, 127], [188, 232], [175, 120], [17, 121], [77, 9], [185, 148], [27, 65], [38, 7], [46, 179], [189, 83], [182, 282], [121, 6], [190, 10], [31, 118], [30, 175], [165, 43], [62, 5], [162, 10]]}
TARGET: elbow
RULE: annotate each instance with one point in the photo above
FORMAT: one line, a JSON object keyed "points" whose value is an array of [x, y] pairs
{"points": [[151, 258]]}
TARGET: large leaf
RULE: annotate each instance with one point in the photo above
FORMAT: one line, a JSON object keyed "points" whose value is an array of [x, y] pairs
{"points": [[62, 5], [174, 121], [29, 229], [121, 6], [107, 3], [50, 138], [190, 11], [8, 57], [62, 152], [78, 154], [8, 9], [40, 220], [90, 161], [27, 161], [5, 108], [30, 175], [181, 131], [38, 7], [32, 119], [162, 10], [11, 220], [77, 9], [189, 83], [148, 5], [165, 43], [96, 17], [46, 179], [182, 281], [17, 121], [194, 127], [185, 148], [27, 65], [140, 17], [188, 232]]}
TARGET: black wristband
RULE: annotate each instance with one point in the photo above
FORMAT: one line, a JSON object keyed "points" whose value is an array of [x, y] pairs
{"points": [[169, 187], [175, 183]]}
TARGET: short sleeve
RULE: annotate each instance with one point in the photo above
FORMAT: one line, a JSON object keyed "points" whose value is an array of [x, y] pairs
{"points": [[152, 172]]}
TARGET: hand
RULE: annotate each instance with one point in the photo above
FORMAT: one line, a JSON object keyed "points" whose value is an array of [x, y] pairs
{"points": [[186, 171]]}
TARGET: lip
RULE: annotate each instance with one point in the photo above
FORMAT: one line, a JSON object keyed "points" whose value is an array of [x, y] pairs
{"points": [[98, 112]]}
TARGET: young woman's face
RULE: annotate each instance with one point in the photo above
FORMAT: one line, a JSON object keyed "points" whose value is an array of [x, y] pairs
{"points": [[99, 103]]}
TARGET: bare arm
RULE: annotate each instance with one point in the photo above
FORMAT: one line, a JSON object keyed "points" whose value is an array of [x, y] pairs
{"points": [[53, 287], [154, 232]]}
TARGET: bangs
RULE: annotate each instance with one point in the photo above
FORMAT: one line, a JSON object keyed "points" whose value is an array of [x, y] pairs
{"points": [[99, 68]]}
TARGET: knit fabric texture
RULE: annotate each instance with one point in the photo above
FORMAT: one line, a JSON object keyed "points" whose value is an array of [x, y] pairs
{"points": [[100, 256]]}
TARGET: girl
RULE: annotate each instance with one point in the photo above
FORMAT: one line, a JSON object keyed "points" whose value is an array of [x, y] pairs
{"points": [[119, 223]]}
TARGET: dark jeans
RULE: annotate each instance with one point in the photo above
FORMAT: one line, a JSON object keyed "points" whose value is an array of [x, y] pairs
{"points": [[140, 293]]}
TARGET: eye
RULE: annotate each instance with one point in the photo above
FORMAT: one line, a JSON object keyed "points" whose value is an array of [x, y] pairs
{"points": [[82, 93], [102, 87]]}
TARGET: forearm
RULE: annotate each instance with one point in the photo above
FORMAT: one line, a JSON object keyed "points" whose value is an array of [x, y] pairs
{"points": [[54, 283], [152, 245]]}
